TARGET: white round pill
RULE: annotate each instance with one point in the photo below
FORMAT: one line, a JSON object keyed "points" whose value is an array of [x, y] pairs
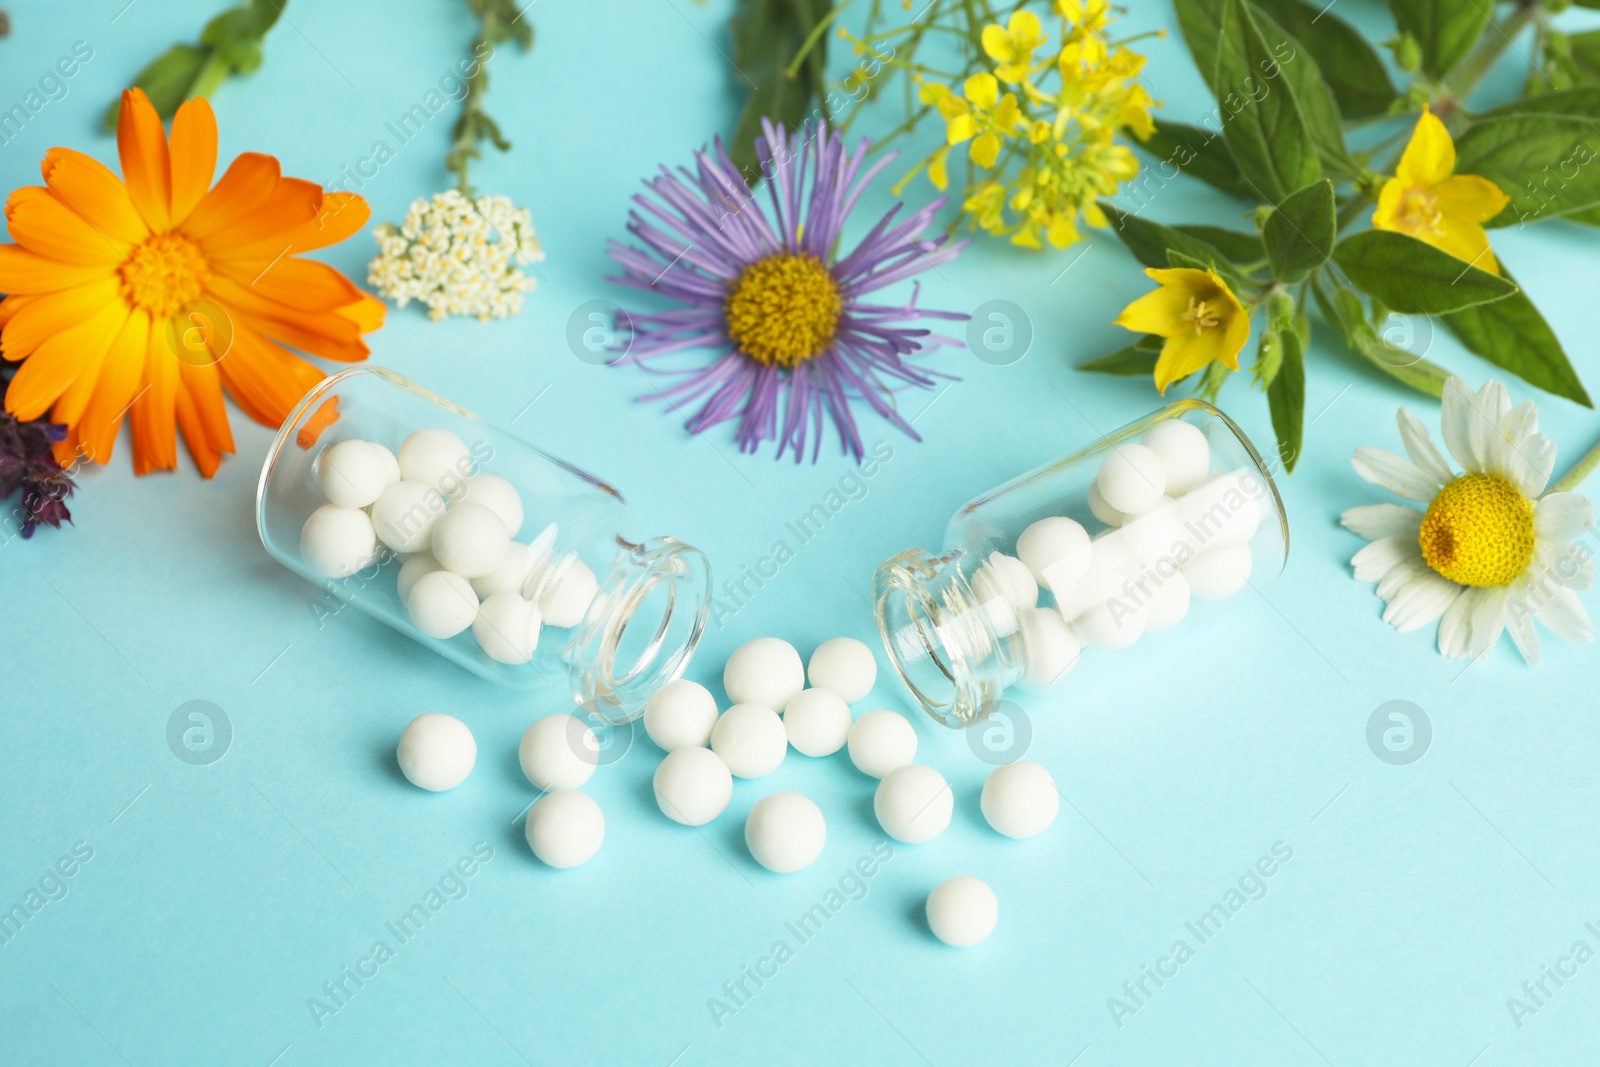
{"points": [[565, 828], [785, 832], [335, 541], [844, 665], [511, 576], [566, 596], [1114, 623], [1007, 579], [404, 514], [750, 739], [881, 741], [1020, 799], [559, 752], [352, 474], [1218, 572], [680, 714], [436, 752], [1049, 646], [435, 458], [1056, 552], [1184, 452], [496, 494], [507, 628], [1131, 478], [391, 465], [817, 722], [412, 569], [1169, 599], [913, 804], [470, 540], [766, 671], [1157, 534], [693, 786], [1223, 511], [962, 911], [1103, 511], [442, 604]]}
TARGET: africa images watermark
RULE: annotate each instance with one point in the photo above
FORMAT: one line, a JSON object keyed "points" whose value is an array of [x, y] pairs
{"points": [[51, 887]]}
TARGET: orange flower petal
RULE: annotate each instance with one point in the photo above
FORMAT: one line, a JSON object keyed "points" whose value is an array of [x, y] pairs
{"points": [[88, 187], [293, 203], [303, 284], [22, 271], [194, 155], [146, 166], [342, 215], [264, 379], [120, 376], [154, 414], [244, 187], [62, 361], [204, 385], [45, 225], [368, 314], [320, 333], [12, 305], [206, 457], [52, 313]]}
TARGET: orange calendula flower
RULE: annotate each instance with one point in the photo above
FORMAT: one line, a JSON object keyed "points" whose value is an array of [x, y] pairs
{"points": [[146, 296], [1429, 201]]}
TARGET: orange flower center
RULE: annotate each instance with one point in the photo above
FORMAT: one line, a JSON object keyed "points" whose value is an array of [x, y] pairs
{"points": [[1200, 315], [163, 274], [1419, 211], [783, 309]]}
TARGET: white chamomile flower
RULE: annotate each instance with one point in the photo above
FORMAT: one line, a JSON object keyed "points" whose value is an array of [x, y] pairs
{"points": [[457, 256], [1489, 550]]}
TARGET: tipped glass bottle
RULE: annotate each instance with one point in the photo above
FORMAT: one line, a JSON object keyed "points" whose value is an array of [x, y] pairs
{"points": [[1091, 555], [577, 595]]}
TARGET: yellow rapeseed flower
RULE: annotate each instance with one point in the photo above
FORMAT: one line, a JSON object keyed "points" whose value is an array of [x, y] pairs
{"points": [[1429, 201], [1201, 319], [1012, 48]]}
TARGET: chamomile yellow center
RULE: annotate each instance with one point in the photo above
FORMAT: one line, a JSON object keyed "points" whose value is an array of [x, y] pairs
{"points": [[1419, 211], [783, 309], [164, 273], [1478, 531], [1200, 314]]}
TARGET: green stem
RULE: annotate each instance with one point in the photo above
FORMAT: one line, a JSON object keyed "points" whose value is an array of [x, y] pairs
{"points": [[1460, 82], [1575, 477], [813, 37]]}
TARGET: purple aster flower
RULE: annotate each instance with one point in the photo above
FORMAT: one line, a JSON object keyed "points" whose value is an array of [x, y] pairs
{"points": [[796, 337], [28, 464]]}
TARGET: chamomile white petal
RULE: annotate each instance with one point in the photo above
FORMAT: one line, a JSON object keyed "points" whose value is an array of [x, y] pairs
{"points": [[1420, 447], [1383, 555], [1519, 622], [1382, 520], [1395, 473], [1457, 414], [1564, 615], [1489, 619], [1562, 517], [1426, 597], [1530, 464], [1455, 627]]}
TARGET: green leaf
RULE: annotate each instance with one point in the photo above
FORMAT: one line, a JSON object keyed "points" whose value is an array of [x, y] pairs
{"points": [[1363, 341], [1349, 65], [1200, 22], [1153, 243], [1583, 102], [767, 35], [1299, 69], [1446, 29], [1197, 152], [1413, 277], [1265, 128], [166, 81], [1299, 234], [1512, 335], [1240, 248], [1584, 54], [1544, 163], [1138, 360], [1286, 395]]}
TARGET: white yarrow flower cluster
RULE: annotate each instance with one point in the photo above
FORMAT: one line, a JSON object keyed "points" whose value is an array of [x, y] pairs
{"points": [[457, 256]]}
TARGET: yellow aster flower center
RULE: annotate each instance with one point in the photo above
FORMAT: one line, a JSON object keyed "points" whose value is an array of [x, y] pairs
{"points": [[1478, 531], [1419, 211], [163, 274], [1200, 314], [784, 309]]}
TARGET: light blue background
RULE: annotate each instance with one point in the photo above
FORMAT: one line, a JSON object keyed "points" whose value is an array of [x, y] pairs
{"points": [[220, 898]]}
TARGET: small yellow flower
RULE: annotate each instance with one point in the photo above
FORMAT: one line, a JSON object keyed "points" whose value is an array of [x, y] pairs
{"points": [[1012, 48], [939, 169], [1091, 15], [1198, 314], [1430, 202]]}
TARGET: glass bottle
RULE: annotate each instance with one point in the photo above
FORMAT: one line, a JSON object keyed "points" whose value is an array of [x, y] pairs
{"points": [[1017, 595], [632, 621]]}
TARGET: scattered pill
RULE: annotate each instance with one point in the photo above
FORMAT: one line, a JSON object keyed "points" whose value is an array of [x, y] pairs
{"points": [[680, 714], [1169, 600], [1131, 479], [404, 514], [751, 740], [511, 576], [335, 541], [571, 589], [785, 832], [844, 665], [693, 786], [766, 671], [1049, 646], [496, 494], [1218, 572], [470, 540], [352, 474], [817, 722], [1184, 452], [442, 604], [435, 458], [881, 741], [962, 911], [436, 752], [1056, 551], [565, 828], [558, 752], [913, 804], [507, 628], [1020, 799], [412, 569]]}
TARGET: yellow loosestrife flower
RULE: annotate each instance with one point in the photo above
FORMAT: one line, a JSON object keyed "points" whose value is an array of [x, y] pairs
{"points": [[1198, 314], [1429, 201], [1012, 48]]}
